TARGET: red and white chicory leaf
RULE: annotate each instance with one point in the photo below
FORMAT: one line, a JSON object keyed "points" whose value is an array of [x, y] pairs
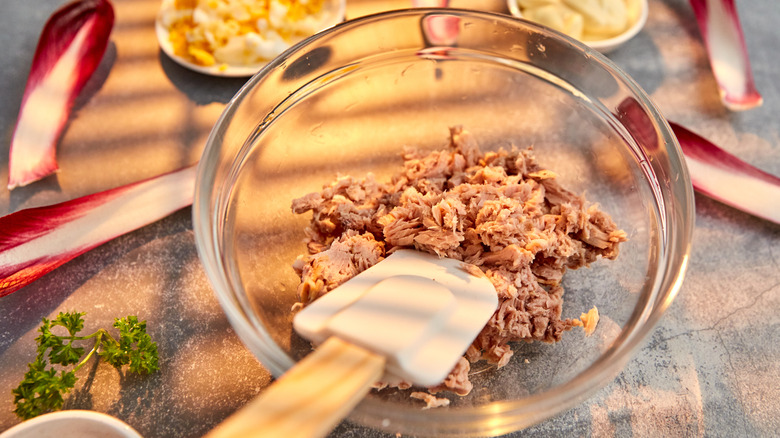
{"points": [[724, 177], [69, 50], [35, 241], [725, 43]]}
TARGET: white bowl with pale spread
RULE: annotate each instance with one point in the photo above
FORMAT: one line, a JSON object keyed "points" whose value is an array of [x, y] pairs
{"points": [[602, 24]]}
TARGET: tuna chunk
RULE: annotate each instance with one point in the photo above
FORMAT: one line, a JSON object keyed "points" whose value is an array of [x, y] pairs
{"points": [[348, 255], [499, 210]]}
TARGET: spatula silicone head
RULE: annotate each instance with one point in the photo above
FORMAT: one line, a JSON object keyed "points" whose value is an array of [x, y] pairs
{"points": [[421, 312], [410, 316]]}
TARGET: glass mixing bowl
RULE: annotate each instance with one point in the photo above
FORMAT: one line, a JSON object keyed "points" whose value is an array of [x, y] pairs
{"points": [[347, 100]]}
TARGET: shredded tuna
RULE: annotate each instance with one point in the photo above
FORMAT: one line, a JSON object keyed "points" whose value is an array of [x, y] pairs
{"points": [[457, 381], [348, 255], [500, 211], [431, 401]]}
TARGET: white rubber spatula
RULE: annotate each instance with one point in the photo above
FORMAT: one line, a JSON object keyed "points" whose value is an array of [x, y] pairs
{"points": [[412, 315]]}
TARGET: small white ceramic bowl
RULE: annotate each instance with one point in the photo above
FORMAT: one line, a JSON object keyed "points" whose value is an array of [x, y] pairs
{"points": [[334, 12], [607, 45], [72, 424]]}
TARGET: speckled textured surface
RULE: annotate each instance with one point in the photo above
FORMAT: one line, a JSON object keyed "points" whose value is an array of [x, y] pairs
{"points": [[711, 367]]}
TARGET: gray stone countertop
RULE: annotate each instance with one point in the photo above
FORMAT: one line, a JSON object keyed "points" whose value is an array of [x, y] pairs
{"points": [[710, 368]]}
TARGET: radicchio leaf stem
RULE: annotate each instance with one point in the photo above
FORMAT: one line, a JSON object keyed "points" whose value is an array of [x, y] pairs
{"points": [[724, 177], [35, 241], [725, 43], [69, 50]]}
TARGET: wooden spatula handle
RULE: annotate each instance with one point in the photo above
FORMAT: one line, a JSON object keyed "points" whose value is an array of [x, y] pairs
{"points": [[310, 399]]}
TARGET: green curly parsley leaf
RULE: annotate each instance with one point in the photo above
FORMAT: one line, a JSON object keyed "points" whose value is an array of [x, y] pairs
{"points": [[134, 348], [73, 321], [60, 352], [42, 388]]}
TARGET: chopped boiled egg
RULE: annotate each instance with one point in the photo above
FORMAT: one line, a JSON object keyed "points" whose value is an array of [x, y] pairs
{"points": [[239, 32]]}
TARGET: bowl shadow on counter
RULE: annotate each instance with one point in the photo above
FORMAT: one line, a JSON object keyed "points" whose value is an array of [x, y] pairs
{"points": [[641, 59], [648, 71], [200, 88], [137, 394], [204, 89]]}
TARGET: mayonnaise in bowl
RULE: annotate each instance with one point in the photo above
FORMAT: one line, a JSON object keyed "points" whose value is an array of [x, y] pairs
{"points": [[602, 24]]}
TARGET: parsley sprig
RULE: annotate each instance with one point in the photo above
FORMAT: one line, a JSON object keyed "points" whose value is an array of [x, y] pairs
{"points": [[42, 389]]}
